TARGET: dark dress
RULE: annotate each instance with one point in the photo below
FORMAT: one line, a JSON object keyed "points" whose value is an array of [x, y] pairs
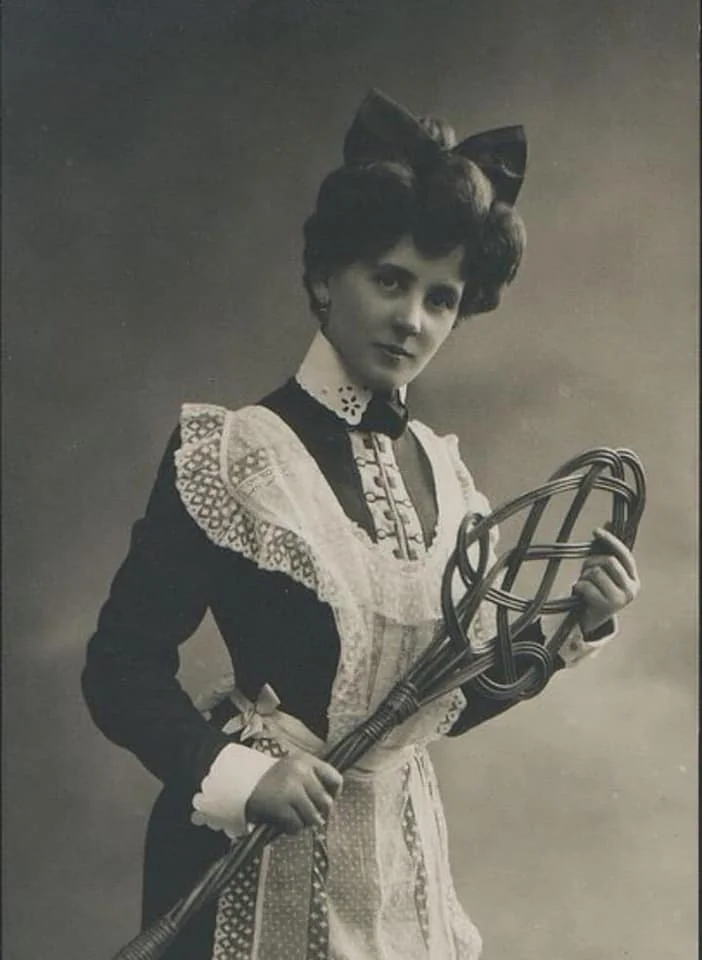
{"points": [[174, 572]]}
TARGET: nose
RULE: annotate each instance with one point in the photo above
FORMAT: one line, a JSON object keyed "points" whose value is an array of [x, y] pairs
{"points": [[409, 316]]}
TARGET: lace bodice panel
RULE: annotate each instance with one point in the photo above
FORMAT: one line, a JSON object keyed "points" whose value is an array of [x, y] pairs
{"points": [[250, 484]]}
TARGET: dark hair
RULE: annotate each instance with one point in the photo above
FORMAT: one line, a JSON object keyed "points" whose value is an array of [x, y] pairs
{"points": [[363, 211]]}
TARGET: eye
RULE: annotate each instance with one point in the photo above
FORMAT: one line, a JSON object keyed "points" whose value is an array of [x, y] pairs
{"points": [[389, 281], [443, 298]]}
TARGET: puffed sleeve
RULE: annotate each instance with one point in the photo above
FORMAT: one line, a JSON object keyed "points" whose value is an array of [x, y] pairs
{"points": [[157, 600]]}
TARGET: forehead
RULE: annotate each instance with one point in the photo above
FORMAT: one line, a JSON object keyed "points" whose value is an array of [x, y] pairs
{"points": [[443, 269]]}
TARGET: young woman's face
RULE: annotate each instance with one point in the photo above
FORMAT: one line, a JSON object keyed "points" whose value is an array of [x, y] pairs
{"points": [[388, 318]]}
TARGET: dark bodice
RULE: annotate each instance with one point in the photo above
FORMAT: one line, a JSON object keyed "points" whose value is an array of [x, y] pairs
{"points": [[276, 630]]}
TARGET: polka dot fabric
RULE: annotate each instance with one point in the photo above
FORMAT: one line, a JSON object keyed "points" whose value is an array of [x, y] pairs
{"points": [[358, 889], [235, 930], [318, 929], [409, 829], [236, 916]]}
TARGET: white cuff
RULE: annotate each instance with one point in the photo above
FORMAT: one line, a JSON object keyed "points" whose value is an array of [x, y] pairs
{"points": [[576, 647], [227, 787]]}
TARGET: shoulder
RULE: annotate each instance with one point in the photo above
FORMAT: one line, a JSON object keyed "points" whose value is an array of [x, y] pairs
{"points": [[216, 445], [447, 445], [445, 450], [226, 457], [241, 476], [227, 434], [198, 421], [211, 438]]}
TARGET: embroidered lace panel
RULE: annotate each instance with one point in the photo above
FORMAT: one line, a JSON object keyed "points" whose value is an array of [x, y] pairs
{"points": [[249, 483]]}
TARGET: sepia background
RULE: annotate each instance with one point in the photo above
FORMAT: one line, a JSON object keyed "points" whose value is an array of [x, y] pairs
{"points": [[159, 161]]}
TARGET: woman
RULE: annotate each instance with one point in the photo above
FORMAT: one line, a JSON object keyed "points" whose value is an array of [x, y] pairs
{"points": [[315, 525]]}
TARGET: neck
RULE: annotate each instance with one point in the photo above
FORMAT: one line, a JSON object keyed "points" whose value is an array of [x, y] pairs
{"points": [[325, 377]]}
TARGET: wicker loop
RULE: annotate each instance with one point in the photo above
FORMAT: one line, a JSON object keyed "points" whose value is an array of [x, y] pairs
{"points": [[539, 670], [617, 472]]}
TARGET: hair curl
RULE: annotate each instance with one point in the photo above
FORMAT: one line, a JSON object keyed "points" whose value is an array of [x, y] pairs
{"points": [[364, 210]]}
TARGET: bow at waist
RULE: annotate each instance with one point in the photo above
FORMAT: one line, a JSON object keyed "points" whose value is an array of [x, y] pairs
{"points": [[234, 713]]}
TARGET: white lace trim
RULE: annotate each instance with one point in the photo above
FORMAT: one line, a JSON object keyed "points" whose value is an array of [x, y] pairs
{"points": [[323, 375], [250, 484]]}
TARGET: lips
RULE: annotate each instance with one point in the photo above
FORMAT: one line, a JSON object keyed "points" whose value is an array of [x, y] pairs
{"points": [[394, 350]]}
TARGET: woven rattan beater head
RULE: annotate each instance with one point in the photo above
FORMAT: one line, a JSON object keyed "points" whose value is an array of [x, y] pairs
{"points": [[524, 667]]}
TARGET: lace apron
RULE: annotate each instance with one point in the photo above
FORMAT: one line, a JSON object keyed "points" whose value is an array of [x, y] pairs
{"points": [[374, 883]]}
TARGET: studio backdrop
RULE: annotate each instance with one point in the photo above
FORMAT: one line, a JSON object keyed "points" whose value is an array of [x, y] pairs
{"points": [[159, 162]]}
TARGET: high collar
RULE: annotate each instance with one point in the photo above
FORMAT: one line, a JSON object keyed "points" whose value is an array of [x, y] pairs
{"points": [[323, 375]]}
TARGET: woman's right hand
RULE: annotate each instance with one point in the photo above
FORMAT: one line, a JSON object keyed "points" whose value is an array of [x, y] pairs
{"points": [[298, 791]]}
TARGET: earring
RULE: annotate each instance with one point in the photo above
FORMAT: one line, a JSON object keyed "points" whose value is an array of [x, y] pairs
{"points": [[323, 310]]}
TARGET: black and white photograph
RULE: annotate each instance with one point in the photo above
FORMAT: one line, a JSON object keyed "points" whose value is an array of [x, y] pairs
{"points": [[350, 480]]}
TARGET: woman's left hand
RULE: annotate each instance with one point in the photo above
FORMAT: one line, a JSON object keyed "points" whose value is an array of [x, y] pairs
{"points": [[608, 581]]}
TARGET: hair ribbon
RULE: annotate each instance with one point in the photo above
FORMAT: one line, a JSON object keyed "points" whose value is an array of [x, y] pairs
{"points": [[383, 130]]}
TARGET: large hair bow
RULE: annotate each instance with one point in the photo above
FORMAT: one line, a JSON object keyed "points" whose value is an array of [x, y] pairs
{"points": [[384, 130]]}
